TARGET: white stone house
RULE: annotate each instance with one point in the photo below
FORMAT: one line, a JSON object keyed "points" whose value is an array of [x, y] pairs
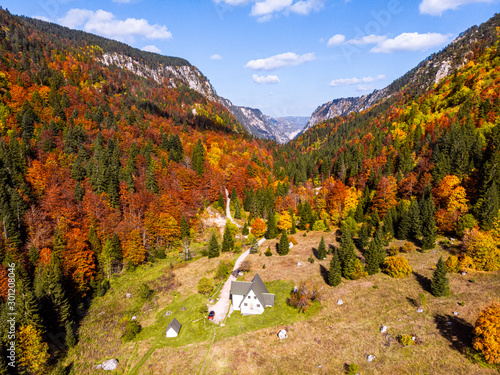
{"points": [[250, 297], [173, 328]]}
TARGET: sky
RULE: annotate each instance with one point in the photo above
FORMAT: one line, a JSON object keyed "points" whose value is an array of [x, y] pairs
{"points": [[285, 57]]}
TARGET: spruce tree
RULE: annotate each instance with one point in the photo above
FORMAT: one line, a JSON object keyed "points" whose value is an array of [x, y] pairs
{"points": [[415, 229], [272, 229], [334, 273], [198, 158], [379, 243], [440, 284], [347, 253], [213, 247], [404, 225], [151, 183], [227, 240], [220, 201], [389, 222], [184, 228], [374, 220], [237, 209], [322, 249], [364, 234], [294, 228], [245, 230], [429, 231], [372, 258], [283, 246], [95, 242]]}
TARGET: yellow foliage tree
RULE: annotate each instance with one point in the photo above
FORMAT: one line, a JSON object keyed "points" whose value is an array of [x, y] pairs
{"points": [[285, 221], [33, 352], [162, 228], [482, 248], [487, 333]]}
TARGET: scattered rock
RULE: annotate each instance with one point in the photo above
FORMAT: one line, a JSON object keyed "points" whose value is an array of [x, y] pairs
{"points": [[110, 364], [134, 317], [168, 313], [383, 329], [455, 313], [222, 324], [399, 320], [340, 302], [299, 264], [282, 334], [464, 273], [448, 323], [240, 273], [183, 309], [370, 358], [97, 367], [420, 310], [290, 245], [413, 338], [128, 295], [295, 289], [102, 313]]}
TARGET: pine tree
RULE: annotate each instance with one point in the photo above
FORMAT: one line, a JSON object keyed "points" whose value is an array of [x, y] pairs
{"points": [[234, 196], [95, 242], [237, 209], [220, 201], [322, 249], [213, 247], [151, 183], [283, 246], [184, 228], [379, 243], [364, 234], [389, 222], [245, 230], [429, 232], [198, 158], [272, 230], [404, 225], [70, 335], [372, 258], [440, 284], [374, 220], [347, 253], [227, 240], [415, 230], [335, 273]]}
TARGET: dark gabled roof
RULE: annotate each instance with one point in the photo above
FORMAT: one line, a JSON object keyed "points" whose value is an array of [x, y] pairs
{"points": [[240, 287], [175, 325], [257, 285]]}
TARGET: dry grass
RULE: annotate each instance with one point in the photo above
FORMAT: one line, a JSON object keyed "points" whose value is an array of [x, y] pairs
{"points": [[326, 342]]}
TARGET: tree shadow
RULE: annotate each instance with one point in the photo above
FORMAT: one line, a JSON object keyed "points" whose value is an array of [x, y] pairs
{"points": [[456, 330], [315, 252], [331, 249], [324, 273], [413, 301], [424, 282]]}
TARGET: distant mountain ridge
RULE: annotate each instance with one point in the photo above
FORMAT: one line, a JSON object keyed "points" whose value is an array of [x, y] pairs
{"points": [[419, 79]]}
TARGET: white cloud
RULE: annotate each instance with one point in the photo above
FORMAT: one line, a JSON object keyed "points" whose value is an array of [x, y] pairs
{"points": [[106, 24], [437, 7], [336, 40], [233, 2], [306, 7], [279, 61], [266, 7], [151, 48], [42, 18], [216, 57], [355, 81], [265, 80], [367, 39], [411, 42]]}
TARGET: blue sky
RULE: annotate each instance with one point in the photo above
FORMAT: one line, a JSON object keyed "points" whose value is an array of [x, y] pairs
{"points": [[285, 57]]}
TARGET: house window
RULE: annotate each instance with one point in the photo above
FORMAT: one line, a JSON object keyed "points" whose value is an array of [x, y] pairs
{"points": [[249, 297], [246, 304], [258, 305], [254, 297]]}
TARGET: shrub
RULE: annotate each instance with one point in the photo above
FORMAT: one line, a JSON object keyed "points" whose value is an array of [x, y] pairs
{"points": [[224, 270], [237, 248], [359, 270], [408, 247], [102, 288], [250, 239], [465, 263], [481, 247], [245, 266], [293, 240], [311, 259], [423, 299], [131, 330], [319, 226], [452, 264], [303, 297], [268, 252], [353, 369], [205, 286], [396, 266], [487, 333], [144, 291], [406, 340], [393, 250]]}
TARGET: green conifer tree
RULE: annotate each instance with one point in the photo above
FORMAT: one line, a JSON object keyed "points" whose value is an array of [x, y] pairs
{"points": [[335, 273], [440, 285], [220, 201], [184, 228], [379, 243], [283, 246], [429, 231], [237, 209], [372, 256], [151, 183], [272, 229], [347, 253], [322, 249], [245, 230], [364, 235], [213, 247], [227, 240], [198, 158], [415, 230]]}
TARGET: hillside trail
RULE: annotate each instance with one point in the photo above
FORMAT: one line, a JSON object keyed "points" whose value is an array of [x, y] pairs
{"points": [[222, 306]]}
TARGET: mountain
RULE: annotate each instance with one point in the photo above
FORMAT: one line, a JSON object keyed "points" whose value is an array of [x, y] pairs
{"points": [[419, 79], [288, 127]]}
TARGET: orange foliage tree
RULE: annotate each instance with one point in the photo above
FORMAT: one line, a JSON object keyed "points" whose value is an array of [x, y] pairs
{"points": [[134, 250], [79, 258], [487, 333], [385, 197], [258, 228]]}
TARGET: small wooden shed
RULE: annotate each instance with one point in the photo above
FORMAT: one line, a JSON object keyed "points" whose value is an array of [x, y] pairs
{"points": [[173, 328]]}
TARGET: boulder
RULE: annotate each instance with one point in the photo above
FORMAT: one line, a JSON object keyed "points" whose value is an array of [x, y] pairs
{"points": [[299, 264], [419, 310], [370, 358], [134, 317], [282, 334], [128, 295], [110, 364], [340, 302], [383, 329], [290, 245], [455, 313]]}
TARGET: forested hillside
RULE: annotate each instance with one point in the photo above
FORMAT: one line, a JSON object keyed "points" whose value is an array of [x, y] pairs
{"points": [[103, 170]]}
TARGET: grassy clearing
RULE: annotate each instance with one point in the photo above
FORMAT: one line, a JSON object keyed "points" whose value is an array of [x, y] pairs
{"points": [[330, 336]]}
